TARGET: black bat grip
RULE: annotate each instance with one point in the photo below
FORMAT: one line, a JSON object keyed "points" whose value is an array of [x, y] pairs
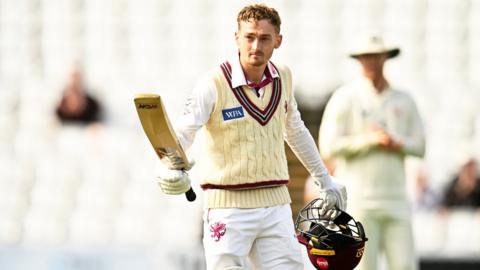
{"points": [[190, 194]]}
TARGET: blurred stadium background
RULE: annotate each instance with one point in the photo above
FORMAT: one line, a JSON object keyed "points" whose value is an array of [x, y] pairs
{"points": [[85, 197]]}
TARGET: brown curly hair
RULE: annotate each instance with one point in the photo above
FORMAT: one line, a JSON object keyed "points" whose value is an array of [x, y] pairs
{"points": [[259, 12]]}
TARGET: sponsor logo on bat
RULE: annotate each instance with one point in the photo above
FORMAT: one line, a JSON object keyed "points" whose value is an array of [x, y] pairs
{"points": [[147, 106]]}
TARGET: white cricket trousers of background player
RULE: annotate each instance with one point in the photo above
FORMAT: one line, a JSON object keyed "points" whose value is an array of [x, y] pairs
{"points": [[387, 232], [260, 237]]}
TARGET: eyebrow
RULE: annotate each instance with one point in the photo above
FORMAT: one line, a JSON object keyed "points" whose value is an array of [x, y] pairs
{"points": [[265, 35], [261, 35]]}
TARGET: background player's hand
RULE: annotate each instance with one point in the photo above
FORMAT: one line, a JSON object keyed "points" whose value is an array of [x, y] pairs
{"points": [[173, 182], [382, 138], [332, 198]]}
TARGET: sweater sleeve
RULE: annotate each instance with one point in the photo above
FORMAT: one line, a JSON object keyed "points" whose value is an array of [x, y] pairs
{"points": [[196, 111], [303, 145]]}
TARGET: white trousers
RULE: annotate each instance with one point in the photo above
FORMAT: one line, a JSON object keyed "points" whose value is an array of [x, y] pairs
{"points": [[257, 238], [387, 234]]}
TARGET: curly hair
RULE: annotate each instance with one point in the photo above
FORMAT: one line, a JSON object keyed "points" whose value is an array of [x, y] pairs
{"points": [[259, 12]]}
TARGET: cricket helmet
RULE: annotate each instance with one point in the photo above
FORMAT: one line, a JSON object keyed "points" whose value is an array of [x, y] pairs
{"points": [[331, 244]]}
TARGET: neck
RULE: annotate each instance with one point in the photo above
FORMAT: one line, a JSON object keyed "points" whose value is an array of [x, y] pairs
{"points": [[378, 80], [253, 73]]}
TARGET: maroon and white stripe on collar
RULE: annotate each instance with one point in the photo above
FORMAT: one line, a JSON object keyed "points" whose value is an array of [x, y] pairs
{"points": [[262, 116]]}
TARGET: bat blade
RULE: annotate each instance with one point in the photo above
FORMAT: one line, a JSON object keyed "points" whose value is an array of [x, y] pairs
{"points": [[159, 131]]}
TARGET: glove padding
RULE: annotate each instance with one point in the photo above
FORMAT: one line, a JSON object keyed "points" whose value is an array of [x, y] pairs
{"points": [[331, 199], [173, 182]]}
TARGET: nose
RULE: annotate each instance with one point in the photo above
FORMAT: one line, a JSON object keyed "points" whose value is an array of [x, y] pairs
{"points": [[255, 44]]}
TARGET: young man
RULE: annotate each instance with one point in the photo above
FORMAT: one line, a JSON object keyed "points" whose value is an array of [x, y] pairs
{"points": [[247, 109], [369, 128]]}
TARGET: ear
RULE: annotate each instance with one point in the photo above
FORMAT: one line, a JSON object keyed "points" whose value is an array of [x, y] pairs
{"points": [[278, 41], [237, 35]]}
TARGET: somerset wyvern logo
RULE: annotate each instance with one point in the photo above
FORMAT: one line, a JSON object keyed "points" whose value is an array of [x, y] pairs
{"points": [[233, 113]]}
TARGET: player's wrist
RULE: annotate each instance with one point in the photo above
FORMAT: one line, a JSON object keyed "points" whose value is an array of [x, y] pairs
{"points": [[325, 182]]}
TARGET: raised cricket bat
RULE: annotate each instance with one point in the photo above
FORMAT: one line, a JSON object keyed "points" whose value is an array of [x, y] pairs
{"points": [[160, 133]]}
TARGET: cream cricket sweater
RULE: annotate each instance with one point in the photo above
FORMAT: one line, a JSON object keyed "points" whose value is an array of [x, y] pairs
{"points": [[374, 177], [245, 139]]}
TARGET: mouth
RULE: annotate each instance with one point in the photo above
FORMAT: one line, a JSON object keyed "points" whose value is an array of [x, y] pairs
{"points": [[256, 54]]}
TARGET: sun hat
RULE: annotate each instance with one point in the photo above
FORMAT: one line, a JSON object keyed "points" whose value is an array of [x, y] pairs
{"points": [[372, 43]]}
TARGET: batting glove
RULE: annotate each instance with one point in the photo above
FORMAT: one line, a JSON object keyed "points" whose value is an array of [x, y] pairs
{"points": [[173, 182], [332, 198]]}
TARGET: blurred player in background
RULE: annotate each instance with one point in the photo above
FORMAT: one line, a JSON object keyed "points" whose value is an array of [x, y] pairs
{"points": [[369, 127], [247, 109]]}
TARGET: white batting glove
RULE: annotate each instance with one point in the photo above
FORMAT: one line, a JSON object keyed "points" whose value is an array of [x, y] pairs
{"points": [[172, 182], [332, 198]]}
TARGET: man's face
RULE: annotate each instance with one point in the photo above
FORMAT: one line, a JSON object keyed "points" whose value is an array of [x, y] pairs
{"points": [[256, 41], [372, 63]]}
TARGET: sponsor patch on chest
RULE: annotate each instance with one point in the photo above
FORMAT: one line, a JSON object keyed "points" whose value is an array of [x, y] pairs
{"points": [[232, 113]]}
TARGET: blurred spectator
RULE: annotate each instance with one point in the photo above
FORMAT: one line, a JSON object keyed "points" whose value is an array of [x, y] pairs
{"points": [[464, 188], [425, 197], [77, 105], [369, 127]]}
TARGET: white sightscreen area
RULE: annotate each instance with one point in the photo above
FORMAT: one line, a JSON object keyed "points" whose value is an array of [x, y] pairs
{"points": [[85, 197]]}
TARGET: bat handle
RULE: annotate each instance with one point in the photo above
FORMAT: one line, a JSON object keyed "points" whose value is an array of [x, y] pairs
{"points": [[190, 194]]}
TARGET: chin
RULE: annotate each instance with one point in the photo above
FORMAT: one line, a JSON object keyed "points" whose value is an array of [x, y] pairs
{"points": [[256, 63]]}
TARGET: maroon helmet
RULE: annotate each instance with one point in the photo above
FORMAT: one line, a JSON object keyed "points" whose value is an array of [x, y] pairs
{"points": [[336, 244]]}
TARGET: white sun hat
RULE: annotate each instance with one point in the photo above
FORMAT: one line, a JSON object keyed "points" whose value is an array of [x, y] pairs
{"points": [[372, 43]]}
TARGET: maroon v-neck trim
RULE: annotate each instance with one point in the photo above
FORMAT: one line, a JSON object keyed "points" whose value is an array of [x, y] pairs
{"points": [[261, 116]]}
